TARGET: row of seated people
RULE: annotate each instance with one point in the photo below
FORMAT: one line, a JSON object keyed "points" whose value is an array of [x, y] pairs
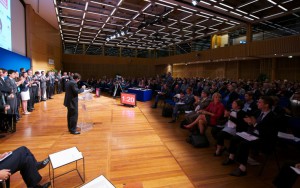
{"points": [[262, 120]]}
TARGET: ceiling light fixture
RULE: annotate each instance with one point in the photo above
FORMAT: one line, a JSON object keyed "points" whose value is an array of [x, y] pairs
{"points": [[205, 2], [195, 2], [282, 8], [118, 33], [272, 2]]}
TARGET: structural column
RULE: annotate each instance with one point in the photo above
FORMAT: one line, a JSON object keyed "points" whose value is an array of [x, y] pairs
{"points": [[249, 33]]}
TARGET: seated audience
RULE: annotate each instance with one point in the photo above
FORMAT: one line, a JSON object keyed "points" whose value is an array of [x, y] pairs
{"points": [[262, 126], [161, 95], [250, 106], [200, 104], [234, 124], [230, 95], [209, 115], [185, 103]]}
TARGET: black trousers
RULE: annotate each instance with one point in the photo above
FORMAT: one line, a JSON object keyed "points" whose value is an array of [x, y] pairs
{"points": [[72, 118], [50, 91], [241, 148], [287, 176], [23, 160], [12, 102], [221, 136], [31, 100]]}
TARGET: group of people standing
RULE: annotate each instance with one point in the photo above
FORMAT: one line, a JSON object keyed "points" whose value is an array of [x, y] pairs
{"points": [[27, 88]]}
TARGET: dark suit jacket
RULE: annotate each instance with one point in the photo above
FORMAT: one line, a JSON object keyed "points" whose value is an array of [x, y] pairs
{"points": [[3, 87], [268, 131], [1, 103], [241, 125], [71, 95], [252, 109], [11, 83]]}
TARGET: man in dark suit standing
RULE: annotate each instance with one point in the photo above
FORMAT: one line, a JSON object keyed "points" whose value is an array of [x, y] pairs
{"points": [[71, 102]]}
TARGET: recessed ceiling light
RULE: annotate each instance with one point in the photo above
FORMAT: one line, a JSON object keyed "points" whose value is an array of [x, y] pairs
{"points": [[290, 56]]}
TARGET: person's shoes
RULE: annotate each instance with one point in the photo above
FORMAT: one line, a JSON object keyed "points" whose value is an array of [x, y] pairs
{"points": [[153, 106], [26, 113], [30, 110], [220, 152], [46, 185], [238, 173], [173, 121], [76, 132], [43, 163], [228, 162]]}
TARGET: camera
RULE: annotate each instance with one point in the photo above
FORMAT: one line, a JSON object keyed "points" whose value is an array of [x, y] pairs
{"points": [[118, 78]]}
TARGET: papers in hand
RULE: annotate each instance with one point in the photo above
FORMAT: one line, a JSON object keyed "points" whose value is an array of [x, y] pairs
{"points": [[65, 156], [297, 170], [8, 154], [231, 124], [288, 136], [180, 103], [188, 111], [100, 182], [87, 91], [247, 136]]}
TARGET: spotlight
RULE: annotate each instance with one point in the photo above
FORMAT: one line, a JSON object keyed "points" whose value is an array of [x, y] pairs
{"points": [[195, 2]]}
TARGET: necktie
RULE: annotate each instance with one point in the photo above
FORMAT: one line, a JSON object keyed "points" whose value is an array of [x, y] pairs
{"points": [[260, 118]]}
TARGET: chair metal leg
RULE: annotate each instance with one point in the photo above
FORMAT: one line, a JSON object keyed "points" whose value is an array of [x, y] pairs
{"points": [[265, 162], [277, 160], [3, 183]]}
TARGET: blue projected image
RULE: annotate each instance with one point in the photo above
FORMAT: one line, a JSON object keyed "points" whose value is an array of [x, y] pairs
{"points": [[5, 25], [13, 61]]}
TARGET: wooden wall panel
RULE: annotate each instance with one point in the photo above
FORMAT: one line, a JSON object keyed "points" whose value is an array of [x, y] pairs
{"points": [[231, 70], [279, 46], [266, 67], [256, 49], [99, 66], [43, 42], [249, 69], [288, 68]]}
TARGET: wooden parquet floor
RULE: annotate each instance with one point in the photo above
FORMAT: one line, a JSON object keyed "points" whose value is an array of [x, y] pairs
{"points": [[126, 145]]}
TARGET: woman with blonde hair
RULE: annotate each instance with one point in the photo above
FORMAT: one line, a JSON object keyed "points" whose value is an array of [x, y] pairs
{"points": [[209, 115]]}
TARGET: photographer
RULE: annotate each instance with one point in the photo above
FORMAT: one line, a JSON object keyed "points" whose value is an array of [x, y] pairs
{"points": [[117, 83]]}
